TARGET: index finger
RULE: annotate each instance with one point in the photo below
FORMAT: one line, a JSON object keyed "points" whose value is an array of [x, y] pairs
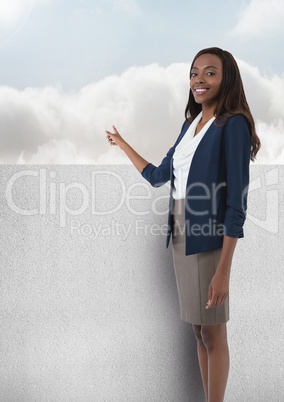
{"points": [[115, 130]]}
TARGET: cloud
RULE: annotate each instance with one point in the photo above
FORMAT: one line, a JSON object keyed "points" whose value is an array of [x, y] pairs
{"points": [[66, 152], [57, 152], [265, 94], [143, 102], [261, 18], [50, 126], [272, 139]]}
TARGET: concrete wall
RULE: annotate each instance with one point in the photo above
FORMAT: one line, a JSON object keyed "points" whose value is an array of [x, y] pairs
{"points": [[88, 300]]}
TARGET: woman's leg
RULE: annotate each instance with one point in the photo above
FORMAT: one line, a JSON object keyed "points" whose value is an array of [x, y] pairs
{"points": [[214, 337], [202, 358]]}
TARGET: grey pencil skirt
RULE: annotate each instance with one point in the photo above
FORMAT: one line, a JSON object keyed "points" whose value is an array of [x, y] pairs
{"points": [[193, 276]]}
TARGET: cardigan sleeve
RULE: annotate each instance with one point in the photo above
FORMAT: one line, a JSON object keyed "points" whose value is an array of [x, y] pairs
{"points": [[237, 159], [159, 175]]}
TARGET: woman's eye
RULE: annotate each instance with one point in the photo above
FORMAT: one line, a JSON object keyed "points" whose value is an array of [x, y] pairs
{"points": [[210, 73], [192, 75]]}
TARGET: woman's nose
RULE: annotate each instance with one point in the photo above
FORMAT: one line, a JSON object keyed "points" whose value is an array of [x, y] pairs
{"points": [[199, 79]]}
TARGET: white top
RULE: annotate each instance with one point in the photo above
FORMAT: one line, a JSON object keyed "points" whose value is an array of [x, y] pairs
{"points": [[183, 155]]}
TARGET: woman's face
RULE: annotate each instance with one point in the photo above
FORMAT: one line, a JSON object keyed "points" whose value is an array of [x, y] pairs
{"points": [[206, 78]]}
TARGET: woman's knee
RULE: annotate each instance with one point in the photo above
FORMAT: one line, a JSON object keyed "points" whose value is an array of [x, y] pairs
{"points": [[197, 332], [213, 335]]}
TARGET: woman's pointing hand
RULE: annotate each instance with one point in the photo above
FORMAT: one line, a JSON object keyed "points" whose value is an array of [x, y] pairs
{"points": [[115, 138]]}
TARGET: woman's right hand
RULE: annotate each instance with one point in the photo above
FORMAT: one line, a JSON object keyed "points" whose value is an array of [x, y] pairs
{"points": [[115, 138]]}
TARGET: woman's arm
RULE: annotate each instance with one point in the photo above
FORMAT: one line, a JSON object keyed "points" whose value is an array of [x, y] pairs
{"points": [[237, 158], [219, 286], [155, 175], [137, 160]]}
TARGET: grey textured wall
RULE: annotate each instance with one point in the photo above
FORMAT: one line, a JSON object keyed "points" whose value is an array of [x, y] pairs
{"points": [[88, 301]]}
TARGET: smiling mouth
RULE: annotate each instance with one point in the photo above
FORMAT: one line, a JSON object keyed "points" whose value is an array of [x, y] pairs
{"points": [[201, 90]]}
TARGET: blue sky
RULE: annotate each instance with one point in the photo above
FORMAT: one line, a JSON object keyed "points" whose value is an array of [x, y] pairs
{"points": [[54, 52], [75, 42]]}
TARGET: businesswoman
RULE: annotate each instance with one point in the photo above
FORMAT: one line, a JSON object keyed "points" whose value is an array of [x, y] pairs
{"points": [[208, 167]]}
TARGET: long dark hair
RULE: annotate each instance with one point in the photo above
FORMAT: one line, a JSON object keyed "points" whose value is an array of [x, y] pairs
{"points": [[232, 99]]}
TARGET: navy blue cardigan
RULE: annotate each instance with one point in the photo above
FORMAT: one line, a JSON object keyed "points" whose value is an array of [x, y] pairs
{"points": [[217, 184]]}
